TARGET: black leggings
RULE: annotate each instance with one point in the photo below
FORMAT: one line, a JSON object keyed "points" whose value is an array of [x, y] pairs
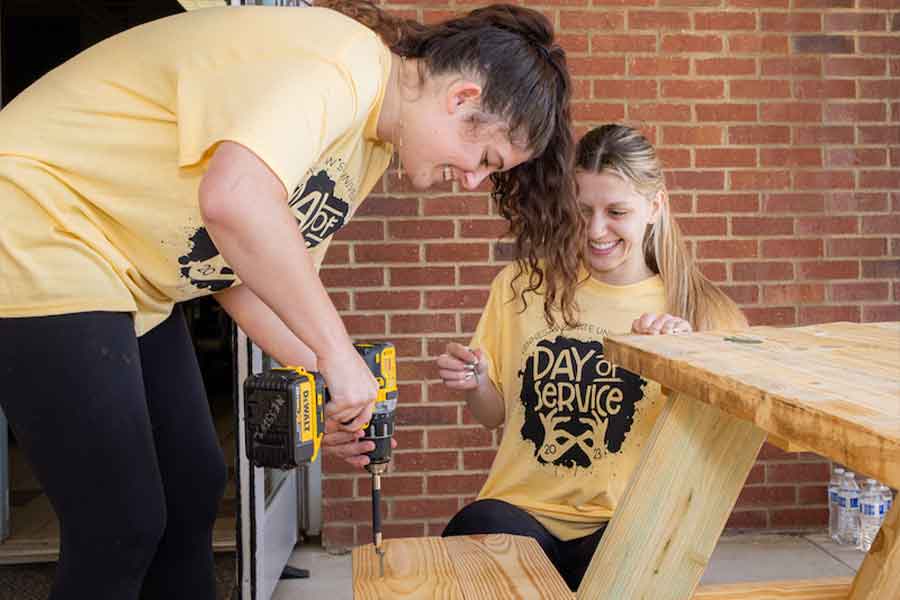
{"points": [[571, 558], [119, 434]]}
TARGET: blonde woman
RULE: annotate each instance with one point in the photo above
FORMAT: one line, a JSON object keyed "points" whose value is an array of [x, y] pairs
{"points": [[574, 424]]}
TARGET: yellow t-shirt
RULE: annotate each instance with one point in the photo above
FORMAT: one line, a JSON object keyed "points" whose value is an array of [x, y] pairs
{"points": [[101, 159], [575, 423]]}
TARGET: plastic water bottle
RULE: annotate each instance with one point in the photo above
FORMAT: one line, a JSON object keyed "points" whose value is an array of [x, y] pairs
{"points": [[833, 487], [888, 498], [871, 513], [848, 510]]}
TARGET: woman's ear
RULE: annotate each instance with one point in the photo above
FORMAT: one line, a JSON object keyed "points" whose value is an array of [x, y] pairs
{"points": [[657, 203], [461, 92]]}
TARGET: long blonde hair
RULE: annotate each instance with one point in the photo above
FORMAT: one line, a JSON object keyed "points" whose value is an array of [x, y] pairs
{"points": [[689, 294]]}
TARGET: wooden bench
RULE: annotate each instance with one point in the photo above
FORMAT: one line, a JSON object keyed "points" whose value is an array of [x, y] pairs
{"points": [[833, 389]]}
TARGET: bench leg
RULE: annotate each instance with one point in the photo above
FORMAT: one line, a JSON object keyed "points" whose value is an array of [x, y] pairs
{"points": [[677, 502]]}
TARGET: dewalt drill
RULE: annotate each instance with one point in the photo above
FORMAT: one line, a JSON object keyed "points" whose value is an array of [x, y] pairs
{"points": [[284, 410]]}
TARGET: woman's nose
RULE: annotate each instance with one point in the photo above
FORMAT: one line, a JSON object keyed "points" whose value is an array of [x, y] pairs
{"points": [[597, 227]]}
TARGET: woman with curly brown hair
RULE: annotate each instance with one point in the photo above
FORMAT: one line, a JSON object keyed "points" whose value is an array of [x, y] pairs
{"points": [[217, 152]]}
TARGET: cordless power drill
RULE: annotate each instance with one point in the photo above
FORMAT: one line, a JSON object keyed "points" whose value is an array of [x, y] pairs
{"points": [[284, 410]]}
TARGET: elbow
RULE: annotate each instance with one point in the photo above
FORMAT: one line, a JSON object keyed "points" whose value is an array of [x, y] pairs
{"points": [[216, 207]]}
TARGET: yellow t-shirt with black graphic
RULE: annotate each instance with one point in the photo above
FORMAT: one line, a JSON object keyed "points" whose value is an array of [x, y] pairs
{"points": [[101, 159], [575, 423]]}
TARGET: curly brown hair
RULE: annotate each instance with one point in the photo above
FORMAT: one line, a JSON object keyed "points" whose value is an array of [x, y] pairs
{"points": [[526, 84]]}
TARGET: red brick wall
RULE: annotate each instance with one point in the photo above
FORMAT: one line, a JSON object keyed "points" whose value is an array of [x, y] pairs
{"points": [[779, 125]]}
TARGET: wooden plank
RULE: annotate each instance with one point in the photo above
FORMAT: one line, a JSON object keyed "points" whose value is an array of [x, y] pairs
{"points": [[833, 389], [504, 566], [878, 578], [666, 526], [831, 588], [478, 567]]}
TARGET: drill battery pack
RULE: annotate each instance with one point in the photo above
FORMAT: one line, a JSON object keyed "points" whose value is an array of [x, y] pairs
{"points": [[285, 417]]}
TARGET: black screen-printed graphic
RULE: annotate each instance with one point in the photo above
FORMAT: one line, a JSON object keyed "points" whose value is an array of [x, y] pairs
{"points": [[317, 209], [203, 265], [578, 406]]}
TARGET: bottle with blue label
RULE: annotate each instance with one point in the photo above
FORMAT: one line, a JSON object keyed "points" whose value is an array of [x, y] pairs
{"points": [[888, 498], [837, 474], [871, 514], [848, 510]]}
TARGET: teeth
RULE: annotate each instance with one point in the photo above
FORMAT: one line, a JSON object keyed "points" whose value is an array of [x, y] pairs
{"points": [[603, 245], [447, 174]]}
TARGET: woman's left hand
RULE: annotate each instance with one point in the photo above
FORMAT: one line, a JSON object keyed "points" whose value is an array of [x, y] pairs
{"points": [[653, 324], [347, 445]]}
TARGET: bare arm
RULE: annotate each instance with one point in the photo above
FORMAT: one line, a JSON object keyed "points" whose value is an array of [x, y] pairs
{"points": [[458, 368], [244, 207]]}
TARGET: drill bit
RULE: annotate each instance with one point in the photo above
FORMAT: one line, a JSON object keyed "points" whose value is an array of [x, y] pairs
{"points": [[376, 515]]}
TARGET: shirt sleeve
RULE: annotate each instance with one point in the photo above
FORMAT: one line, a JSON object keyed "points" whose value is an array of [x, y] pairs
{"points": [[287, 113], [488, 333]]}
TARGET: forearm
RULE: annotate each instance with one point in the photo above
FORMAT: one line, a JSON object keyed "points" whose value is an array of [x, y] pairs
{"points": [[265, 328], [486, 403]]}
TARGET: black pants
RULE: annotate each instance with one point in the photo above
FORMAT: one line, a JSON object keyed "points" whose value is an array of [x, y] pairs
{"points": [[119, 434], [570, 558]]}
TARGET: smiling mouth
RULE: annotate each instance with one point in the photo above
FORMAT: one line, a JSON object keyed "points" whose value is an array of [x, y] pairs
{"points": [[603, 247]]}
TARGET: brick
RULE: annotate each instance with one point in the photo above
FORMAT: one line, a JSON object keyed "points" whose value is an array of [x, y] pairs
{"points": [[860, 291], [416, 370], [725, 66], [678, 43], [367, 325], [408, 348], [879, 44], [409, 439], [795, 203], [337, 254], [591, 20], [791, 112], [656, 66], [790, 157], [792, 248], [386, 253], [791, 65], [692, 89], [703, 135], [857, 157], [816, 180], [478, 459], [885, 179], [355, 277], [714, 271], [446, 299], [879, 89], [857, 202], [681, 203], [798, 472], [823, 135], [726, 112], [337, 536], [658, 20], [879, 134], [877, 314], [464, 437], [770, 452], [341, 300], [881, 269], [425, 461], [832, 269], [659, 112], [423, 323], [425, 508], [573, 43], [504, 251], [822, 44], [622, 43], [699, 226], [758, 134], [597, 112], [727, 203], [695, 180], [420, 229], [346, 510], [478, 275], [483, 228], [742, 294], [627, 89], [812, 495], [759, 88], [881, 224], [854, 22], [813, 315], [456, 484], [757, 474], [762, 226], [455, 205], [725, 20], [760, 180], [827, 225], [337, 488], [727, 249], [847, 66], [775, 317], [747, 519], [791, 21], [752, 496], [855, 246], [360, 229], [748, 43], [800, 293], [827, 89], [395, 485], [421, 276], [797, 518], [388, 300], [725, 157], [388, 206], [450, 252], [762, 271], [427, 414], [597, 65]]}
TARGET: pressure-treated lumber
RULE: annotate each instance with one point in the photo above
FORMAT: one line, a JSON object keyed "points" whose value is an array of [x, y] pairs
{"points": [[879, 575], [666, 526], [834, 389], [482, 567], [831, 588]]}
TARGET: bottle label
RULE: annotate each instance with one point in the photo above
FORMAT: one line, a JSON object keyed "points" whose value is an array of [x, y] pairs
{"points": [[870, 510], [854, 503]]}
